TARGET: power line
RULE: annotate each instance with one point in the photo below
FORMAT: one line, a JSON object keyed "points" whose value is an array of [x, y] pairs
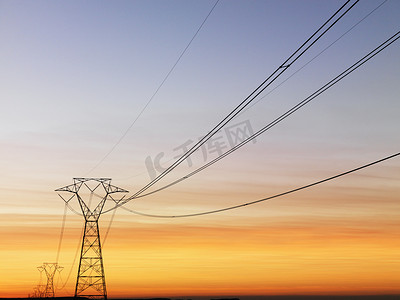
{"points": [[311, 60], [295, 108], [266, 83], [62, 231], [306, 64], [268, 198], [75, 257], [156, 91], [69, 206], [109, 227]]}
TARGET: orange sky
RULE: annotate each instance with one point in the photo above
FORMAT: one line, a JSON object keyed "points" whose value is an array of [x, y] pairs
{"points": [[266, 249]]}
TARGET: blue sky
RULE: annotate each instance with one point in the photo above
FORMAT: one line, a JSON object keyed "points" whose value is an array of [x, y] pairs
{"points": [[75, 76]]}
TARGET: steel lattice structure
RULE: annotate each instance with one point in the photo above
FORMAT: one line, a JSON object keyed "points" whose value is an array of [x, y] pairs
{"points": [[91, 281], [50, 271]]}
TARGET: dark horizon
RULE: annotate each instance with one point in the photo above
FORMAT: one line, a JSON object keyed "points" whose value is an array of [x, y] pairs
{"points": [[245, 297]]}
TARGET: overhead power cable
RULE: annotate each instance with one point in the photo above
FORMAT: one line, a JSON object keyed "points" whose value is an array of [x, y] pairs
{"points": [[75, 257], [62, 231], [69, 206], [253, 95], [268, 198], [302, 67], [108, 227], [295, 108], [312, 59], [156, 91]]}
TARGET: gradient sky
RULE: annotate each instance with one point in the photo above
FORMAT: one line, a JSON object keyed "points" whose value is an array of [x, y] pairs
{"points": [[74, 76]]}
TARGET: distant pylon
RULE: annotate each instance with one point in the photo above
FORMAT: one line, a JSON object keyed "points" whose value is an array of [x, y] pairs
{"points": [[38, 291], [91, 281], [50, 270]]}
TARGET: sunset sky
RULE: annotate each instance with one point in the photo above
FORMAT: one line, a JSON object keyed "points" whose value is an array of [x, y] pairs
{"points": [[76, 74]]}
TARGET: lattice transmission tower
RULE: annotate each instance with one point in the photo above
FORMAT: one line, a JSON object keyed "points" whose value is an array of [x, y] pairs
{"points": [[91, 281], [50, 269]]}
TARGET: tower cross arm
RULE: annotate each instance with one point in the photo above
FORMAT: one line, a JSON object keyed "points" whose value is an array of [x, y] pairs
{"points": [[72, 188], [114, 189]]}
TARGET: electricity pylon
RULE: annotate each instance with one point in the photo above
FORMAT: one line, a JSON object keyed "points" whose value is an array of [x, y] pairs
{"points": [[91, 281], [50, 271], [38, 291]]}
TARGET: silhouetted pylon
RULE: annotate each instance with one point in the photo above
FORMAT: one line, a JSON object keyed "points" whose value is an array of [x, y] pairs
{"points": [[50, 270], [38, 291], [91, 281]]}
